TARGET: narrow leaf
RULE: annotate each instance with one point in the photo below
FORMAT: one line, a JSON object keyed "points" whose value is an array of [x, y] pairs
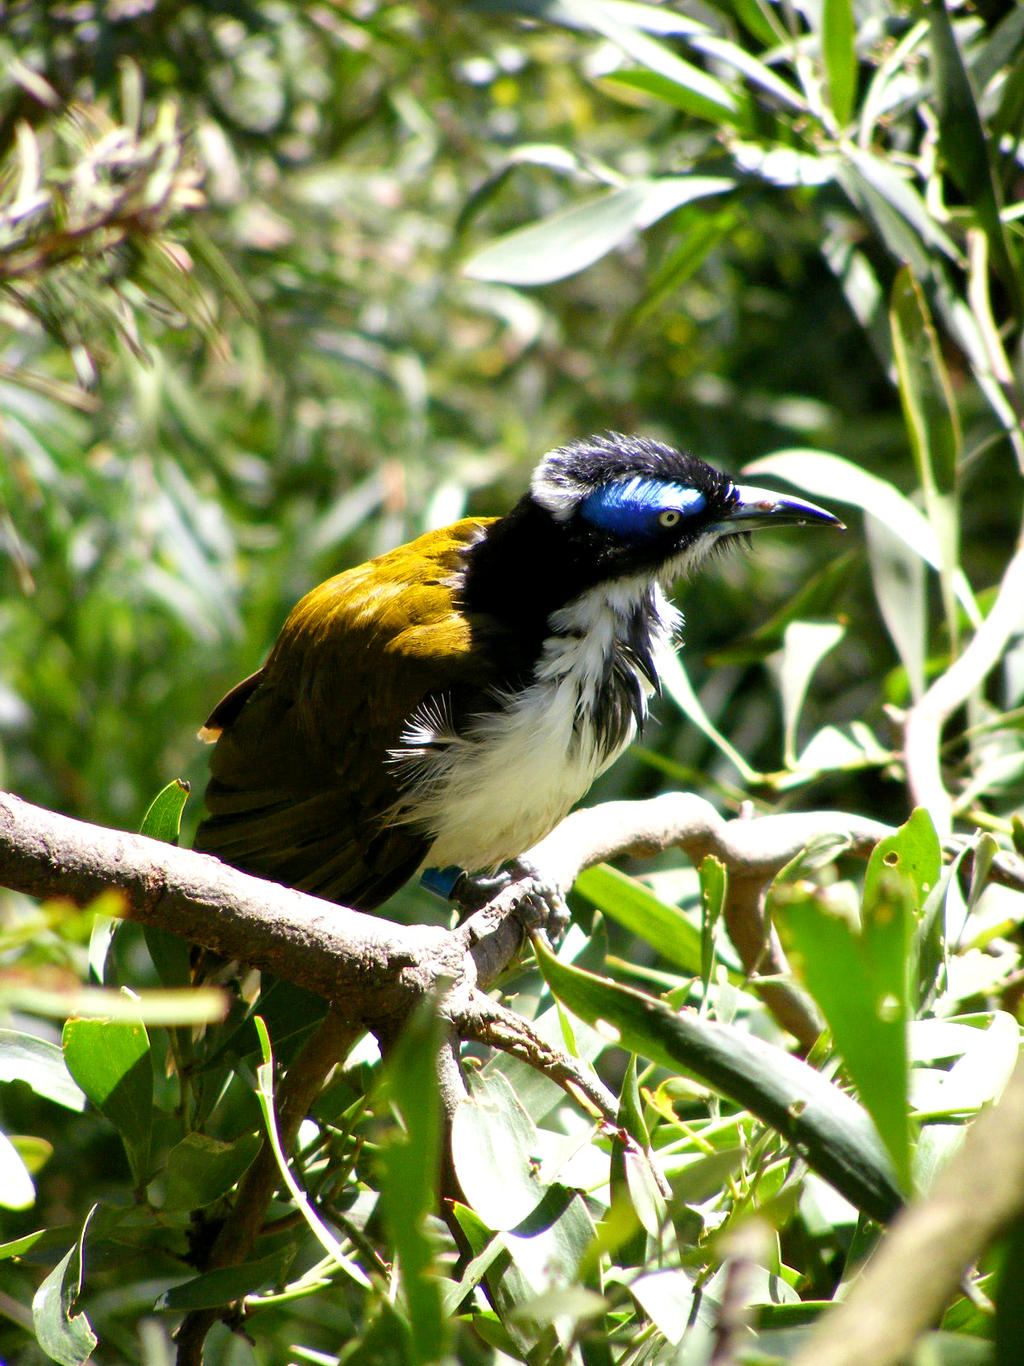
{"points": [[828, 1128], [965, 147], [227, 1284], [636, 907], [837, 40], [933, 427], [804, 645], [410, 1167], [825, 475], [576, 237]]}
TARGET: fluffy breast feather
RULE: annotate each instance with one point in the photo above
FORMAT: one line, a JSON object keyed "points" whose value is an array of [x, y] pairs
{"points": [[489, 788]]}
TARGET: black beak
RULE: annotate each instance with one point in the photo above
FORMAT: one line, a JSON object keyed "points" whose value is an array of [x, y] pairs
{"points": [[754, 509]]}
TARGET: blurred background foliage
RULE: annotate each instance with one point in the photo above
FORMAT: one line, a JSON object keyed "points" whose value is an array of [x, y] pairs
{"points": [[283, 285], [299, 372]]}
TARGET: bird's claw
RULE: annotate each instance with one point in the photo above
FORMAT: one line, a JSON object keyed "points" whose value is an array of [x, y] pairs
{"points": [[521, 889]]}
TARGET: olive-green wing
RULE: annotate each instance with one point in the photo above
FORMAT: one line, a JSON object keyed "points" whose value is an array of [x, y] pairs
{"points": [[300, 784]]}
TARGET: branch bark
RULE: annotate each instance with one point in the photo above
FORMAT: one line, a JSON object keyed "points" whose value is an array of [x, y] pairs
{"points": [[978, 1195]]}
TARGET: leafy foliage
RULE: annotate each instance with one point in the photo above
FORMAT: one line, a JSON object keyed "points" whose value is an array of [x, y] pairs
{"points": [[281, 285]]}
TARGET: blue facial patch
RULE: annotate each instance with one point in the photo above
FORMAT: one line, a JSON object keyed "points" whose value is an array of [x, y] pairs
{"points": [[635, 508]]}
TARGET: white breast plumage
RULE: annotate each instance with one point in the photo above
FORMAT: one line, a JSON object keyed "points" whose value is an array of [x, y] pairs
{"points": [[493, 786]]}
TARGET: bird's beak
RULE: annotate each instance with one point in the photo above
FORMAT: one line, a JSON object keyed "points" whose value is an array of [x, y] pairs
{"points": [[754, 509]]}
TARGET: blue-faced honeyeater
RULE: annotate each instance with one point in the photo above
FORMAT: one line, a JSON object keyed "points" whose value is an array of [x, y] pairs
{"points": [[447, 703]]}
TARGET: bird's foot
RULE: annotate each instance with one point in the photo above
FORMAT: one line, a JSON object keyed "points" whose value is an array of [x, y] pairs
{"points": [[521, 889]]}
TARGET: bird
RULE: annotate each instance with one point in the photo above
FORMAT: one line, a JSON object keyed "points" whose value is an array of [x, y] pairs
{"points": [[444, 705]]}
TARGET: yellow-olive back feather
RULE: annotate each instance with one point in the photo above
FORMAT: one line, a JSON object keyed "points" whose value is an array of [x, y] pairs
{"points": [[300, 779]]}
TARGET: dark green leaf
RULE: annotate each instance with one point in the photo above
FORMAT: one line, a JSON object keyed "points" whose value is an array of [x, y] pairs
{"points": [[201, 1169], [714, 884], [965, 147], [227, 1284], [409, 1171], [829, 1129]]}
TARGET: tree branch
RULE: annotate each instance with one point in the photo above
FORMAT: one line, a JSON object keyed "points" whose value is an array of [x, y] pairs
{"points": [[973, 1200]]}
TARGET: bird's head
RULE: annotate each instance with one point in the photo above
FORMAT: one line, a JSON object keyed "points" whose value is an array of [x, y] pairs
{"points": [[629, 506]]}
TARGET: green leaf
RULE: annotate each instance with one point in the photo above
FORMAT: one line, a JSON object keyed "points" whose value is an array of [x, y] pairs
{"points": [[201, 1169], [965, 147], [494, 1149], [64, 1335], [690, 96], [675, 682], [882, 192], [576, 237], [227, 1284], [630, 904], [409, 1171], [898, 578], [632, 1174], [666, 1297], [864, 978], [831, 1131], [110, 1060], [40, 1065], [859, 981], [837, 41], [17, 1190], [829, 476], [714, 885], [162, 820], [929, 410], [544, 1252], [914, 852], [804, 645], [709, 96], [17, 1247]]}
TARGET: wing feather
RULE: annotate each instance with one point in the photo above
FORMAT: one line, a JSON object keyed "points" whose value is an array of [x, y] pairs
{"points": [[300, 784]]}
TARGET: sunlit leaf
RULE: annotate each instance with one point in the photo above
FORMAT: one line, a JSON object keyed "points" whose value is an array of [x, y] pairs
{"points": [[633, 905], [110, 1060], [829, 476], [17, 1190], [832, 1132], [804, 645], [837, 40], [576, 237], [162, 820], [494, 1149], [40, 1065]]}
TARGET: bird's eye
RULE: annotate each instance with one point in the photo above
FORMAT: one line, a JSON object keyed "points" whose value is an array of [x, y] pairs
{"points": [[670, 517]]}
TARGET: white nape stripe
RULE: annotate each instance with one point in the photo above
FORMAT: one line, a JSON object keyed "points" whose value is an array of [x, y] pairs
{"points": [[491, 791]]}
